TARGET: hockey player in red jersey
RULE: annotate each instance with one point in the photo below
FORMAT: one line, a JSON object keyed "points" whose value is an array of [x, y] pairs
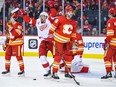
{"points": [[110, 44], [13, 44], [77, 65], [64, 30], [43, 26]]}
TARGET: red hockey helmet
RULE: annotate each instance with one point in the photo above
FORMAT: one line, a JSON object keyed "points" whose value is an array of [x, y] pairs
{"points": [[51, 3], [14, 15], [68, 8], [112, 11]]}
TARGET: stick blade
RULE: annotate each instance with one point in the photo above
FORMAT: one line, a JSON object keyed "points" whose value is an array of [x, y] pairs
{"points": [[15, 10]]}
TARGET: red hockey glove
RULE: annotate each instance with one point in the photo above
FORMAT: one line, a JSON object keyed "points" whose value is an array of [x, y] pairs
{"points": [[4, 47], [106, 46], [23, 12]]}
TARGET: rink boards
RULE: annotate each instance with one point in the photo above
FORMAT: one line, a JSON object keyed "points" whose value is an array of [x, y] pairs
{"points": [[93, 46]]}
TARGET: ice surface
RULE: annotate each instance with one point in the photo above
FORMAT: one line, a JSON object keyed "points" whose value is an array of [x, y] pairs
{"points": [[33, 69]]}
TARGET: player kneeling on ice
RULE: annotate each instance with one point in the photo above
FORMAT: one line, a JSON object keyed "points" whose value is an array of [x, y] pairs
{"points": [[13, 44], [77, 65], [110, 44]]}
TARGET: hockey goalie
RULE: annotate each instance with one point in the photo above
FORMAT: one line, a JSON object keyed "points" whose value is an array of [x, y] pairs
{"points": [[77, 65]]}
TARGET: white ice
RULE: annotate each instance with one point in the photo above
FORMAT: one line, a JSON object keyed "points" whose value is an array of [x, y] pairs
{"points": [[33, 69]]}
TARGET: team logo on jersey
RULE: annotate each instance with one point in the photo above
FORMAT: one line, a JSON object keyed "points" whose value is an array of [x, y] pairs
{"points": [[33, 43], [43, 27], [67, 29]]}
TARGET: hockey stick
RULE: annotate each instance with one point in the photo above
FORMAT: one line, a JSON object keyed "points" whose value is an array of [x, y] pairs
{"points": [[15, 10], [66, 66], [64, 63]]}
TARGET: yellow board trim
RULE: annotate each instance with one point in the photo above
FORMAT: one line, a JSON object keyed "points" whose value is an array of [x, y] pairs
{"points": [[93, 56]]}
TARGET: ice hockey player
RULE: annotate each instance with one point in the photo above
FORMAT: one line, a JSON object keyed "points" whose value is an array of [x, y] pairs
{"points": [[13, 44], [64, 30], [43, 26], [77, 65], [110, 44]]}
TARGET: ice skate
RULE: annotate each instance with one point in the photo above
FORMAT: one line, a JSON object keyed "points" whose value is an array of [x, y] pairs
{"points": [[68, 75], [55, 76], [6, 72], [108, 75], [21, 73], [48, 73]]}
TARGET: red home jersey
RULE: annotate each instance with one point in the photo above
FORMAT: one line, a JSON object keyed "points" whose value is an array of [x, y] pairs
{"points": [[15, 34], [64, 30], [111, 32], [80, 45]]}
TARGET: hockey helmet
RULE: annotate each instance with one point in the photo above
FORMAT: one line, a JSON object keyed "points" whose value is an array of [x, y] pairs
{"points": [[44, 13], [51, 3], [112, 11], [14, 15], [68, 8]]}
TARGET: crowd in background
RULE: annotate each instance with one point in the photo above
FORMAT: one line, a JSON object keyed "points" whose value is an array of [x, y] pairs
{"points": [[90, 13]]}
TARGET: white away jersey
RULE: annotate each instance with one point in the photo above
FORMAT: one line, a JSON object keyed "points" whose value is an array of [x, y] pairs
{"points": [[43, 28]]}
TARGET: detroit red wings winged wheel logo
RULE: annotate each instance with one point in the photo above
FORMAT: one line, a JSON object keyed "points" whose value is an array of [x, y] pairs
{"points": [[43, 27]]}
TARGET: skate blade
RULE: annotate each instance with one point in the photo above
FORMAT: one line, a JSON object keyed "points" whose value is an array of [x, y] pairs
{"points": [[57, 80], [47, 77], [22, 75], [8, 74]]}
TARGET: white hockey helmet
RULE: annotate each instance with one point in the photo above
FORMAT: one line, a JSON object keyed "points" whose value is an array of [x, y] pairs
{"points": [[44, 13]]}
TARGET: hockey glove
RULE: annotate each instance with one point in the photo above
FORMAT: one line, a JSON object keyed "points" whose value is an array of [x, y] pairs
{"points": [[4, 47], [106, 46]]}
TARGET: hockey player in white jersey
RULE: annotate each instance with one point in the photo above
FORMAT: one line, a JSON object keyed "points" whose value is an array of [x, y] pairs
{"points": [[43, 26]]}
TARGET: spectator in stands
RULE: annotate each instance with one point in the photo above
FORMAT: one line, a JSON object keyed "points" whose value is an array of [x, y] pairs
{"points": [[94, 6], [32, 30], [94, 32], [86, 28], [34, 8], [103, 32], [60, 11], [105, 5]]}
